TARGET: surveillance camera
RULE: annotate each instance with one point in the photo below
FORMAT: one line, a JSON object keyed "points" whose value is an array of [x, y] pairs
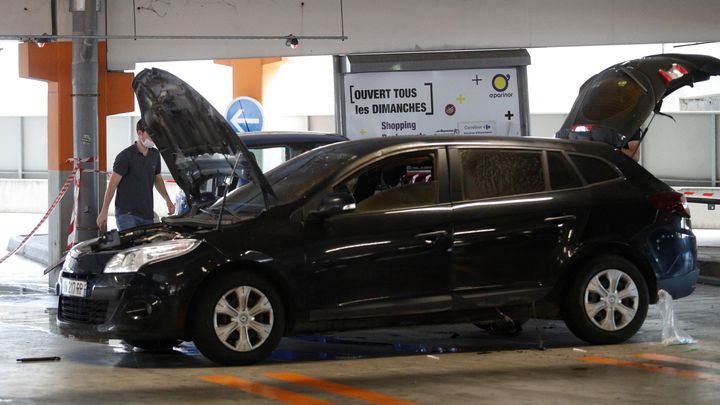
{"points": [[292, 42]]}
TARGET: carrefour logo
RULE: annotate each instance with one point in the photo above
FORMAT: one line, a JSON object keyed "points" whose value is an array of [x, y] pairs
{"points": [[500, 82]]}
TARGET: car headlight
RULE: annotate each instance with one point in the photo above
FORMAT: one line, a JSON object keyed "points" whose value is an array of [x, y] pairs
{"points": [[130, 260]]}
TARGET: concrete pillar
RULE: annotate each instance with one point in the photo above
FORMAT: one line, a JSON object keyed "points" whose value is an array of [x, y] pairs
{"points": [[85, 118], [248, 76]]}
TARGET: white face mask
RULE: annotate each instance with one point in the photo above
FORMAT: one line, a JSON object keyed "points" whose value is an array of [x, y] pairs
{"points": [[148, 143]]}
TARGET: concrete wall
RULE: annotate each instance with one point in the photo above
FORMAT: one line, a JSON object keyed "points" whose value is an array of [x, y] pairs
{"points": [[682, 152], [23, 147], [31, 196], [23, 195]]}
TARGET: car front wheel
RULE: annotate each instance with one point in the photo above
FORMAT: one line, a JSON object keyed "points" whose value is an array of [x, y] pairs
{"points": [[238, 319], [607, 301]]}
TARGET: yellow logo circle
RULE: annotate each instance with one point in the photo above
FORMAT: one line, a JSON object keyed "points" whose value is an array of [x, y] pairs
{"points": [[500, 82]]}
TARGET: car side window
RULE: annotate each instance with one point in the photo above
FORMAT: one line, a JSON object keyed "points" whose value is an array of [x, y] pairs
{"points": [[268, 158], [562, 175], [396, 182], [488, 173], [594, 170]]}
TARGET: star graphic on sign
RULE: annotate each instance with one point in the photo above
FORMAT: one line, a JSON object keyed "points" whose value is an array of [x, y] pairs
{"points": [[363, 132], [460, 99]]}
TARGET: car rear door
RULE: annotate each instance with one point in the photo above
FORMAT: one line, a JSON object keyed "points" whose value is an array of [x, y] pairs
{"points": [[510, 228]]}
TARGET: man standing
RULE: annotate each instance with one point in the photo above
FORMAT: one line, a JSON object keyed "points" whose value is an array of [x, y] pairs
{"points": [[135, 171]]}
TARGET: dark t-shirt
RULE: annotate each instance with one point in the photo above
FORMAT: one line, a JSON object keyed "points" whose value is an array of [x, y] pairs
{"points": [[135, 191]]}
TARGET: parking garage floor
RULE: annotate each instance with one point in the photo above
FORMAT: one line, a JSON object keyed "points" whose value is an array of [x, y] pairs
{"points": [[448, 364]]}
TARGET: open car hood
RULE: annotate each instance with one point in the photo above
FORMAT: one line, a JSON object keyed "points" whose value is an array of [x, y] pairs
{"points": [[195, 140], [614, 104]]}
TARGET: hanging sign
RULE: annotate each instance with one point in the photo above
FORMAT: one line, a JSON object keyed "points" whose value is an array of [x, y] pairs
{"points": [[464, 101]]}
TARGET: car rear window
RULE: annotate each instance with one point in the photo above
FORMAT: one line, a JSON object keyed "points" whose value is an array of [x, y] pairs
{"points": [[488, 173], [562, 175], [614, 95], [594, 170]]}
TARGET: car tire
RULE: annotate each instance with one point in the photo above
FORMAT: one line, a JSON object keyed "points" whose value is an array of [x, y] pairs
{"points": [[607, 301], [239, 319], [163, 345]]}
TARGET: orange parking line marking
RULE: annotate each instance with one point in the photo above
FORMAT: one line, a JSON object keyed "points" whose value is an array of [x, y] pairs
{"points": [[263, 390], [654, 368], [680, 360], [340, 389]]}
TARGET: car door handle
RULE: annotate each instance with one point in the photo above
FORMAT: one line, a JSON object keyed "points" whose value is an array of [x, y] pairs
{"points": [[562, 218], [431, 234]]}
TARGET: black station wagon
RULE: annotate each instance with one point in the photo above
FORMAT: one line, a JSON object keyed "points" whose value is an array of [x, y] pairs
{"points": [[380, 232]]}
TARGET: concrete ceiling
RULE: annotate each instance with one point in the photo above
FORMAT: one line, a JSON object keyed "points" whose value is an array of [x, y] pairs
{"points": [[369, 25]]}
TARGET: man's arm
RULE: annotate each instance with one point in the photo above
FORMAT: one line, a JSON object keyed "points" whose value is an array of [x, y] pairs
{"points": [[109, 193], [632, 150], [160, 186]]}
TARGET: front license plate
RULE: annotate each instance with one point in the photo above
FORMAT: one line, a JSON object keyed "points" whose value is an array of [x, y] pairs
{"points": [[73, 288]]}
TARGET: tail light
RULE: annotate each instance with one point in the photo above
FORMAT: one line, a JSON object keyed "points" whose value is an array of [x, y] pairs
{"points": [[581, 128], [671, 202], [675, 71]]}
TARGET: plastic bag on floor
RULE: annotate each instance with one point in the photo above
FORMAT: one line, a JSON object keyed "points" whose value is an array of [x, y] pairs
{"points": [[672, 334]]}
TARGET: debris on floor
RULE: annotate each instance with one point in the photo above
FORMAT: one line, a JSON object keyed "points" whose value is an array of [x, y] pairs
{"points": [[37, 359], [672, 334]]}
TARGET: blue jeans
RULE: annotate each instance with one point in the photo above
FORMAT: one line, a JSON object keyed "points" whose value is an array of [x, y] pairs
{"points": [[126, 221]]}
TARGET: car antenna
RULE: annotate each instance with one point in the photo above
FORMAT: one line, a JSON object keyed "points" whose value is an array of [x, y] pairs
{"points": [[227, 186]]}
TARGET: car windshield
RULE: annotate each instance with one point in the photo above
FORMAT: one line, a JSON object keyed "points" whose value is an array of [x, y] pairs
{"points": [[289, 181]]}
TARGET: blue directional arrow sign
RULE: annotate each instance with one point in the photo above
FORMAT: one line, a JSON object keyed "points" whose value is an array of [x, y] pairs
{"points": [[245, 114]]}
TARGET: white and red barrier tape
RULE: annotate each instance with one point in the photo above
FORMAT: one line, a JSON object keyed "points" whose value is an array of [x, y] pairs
{"points": [[699, 194], [55, 203], [77, 171]]}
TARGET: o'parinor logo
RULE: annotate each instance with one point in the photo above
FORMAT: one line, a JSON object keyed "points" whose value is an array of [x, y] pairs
{"points": [[500, 82]]}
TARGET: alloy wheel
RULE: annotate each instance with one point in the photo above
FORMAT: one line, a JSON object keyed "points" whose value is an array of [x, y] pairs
{"points": [[243, 318], [611, 300]]}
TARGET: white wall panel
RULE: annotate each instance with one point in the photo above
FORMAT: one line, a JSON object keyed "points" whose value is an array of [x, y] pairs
{"points": [[10, 151], [24, 195], [120, 134], [682, 149], [545, 125], [35, 145]]}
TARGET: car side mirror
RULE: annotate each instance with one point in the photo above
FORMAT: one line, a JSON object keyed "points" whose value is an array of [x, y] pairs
{"points": [[335, 203]]}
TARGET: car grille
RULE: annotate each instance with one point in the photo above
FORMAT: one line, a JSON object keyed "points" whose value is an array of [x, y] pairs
{"points": [[76, 309]]}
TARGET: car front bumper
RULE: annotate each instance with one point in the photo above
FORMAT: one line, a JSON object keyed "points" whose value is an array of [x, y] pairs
{"points": [[124, 306]]}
